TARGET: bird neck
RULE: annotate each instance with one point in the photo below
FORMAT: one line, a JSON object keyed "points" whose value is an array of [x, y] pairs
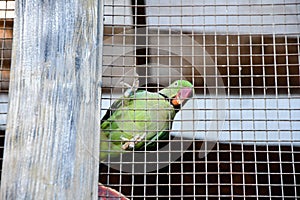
{"points": [[177, 108]]}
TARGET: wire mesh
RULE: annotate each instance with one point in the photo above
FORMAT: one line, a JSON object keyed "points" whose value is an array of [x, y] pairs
{"points": [[239, 135], [6, 26]]}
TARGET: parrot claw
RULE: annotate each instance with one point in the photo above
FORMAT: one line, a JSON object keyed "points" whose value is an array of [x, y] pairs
{"points": [[131, 88], [125, 84], [129, 144]]}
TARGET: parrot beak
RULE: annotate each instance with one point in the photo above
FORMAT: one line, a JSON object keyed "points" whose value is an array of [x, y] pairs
{"points": [[183, 95]]}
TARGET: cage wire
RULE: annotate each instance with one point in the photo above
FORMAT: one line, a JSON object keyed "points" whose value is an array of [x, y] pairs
{"points": [[239, 135], [6, 26]]}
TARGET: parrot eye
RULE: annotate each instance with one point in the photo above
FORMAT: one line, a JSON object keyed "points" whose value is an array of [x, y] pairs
{"points": [[176, 84]]}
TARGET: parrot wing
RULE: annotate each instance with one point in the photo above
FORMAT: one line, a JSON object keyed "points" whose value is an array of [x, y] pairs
{"points": [[117, 104], [132, 121]]}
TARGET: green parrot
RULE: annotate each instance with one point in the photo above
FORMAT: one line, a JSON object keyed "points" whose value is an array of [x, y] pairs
{"points": [[139, 118]]}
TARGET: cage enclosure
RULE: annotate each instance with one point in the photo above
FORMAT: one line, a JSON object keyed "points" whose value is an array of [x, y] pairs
{"points": [[239, 135]]}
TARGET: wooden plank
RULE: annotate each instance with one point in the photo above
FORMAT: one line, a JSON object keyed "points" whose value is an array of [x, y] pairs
{"points": [[52, 137]]}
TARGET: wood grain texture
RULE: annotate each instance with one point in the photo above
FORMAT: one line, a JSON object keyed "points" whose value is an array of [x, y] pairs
{"points": [[52, 137]]}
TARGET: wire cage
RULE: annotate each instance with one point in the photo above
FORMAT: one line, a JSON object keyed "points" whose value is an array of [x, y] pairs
{"points": [[6, 36], [239, 135]]}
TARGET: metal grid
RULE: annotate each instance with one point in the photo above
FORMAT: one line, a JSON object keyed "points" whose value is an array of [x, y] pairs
{"points": [[255, 49], [6, 26], [242, 129]]}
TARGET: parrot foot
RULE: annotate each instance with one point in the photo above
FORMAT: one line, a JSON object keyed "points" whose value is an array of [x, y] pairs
{"points": [[129, 144], [131, 88]]}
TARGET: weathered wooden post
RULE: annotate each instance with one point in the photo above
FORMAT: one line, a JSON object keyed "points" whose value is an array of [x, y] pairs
{"points": [[52, 138]]}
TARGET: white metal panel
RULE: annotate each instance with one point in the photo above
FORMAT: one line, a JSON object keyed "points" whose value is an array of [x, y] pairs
{"points": [[250, 17]]}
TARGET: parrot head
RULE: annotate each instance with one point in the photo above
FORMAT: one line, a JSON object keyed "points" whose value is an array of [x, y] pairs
{"points": [[178, 92]]}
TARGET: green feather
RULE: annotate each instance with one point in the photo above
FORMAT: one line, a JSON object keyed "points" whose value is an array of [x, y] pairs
{"points": [[141, 114]]}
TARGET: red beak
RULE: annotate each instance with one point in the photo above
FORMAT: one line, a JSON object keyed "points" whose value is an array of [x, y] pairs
{"points": [[182, 96]]}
